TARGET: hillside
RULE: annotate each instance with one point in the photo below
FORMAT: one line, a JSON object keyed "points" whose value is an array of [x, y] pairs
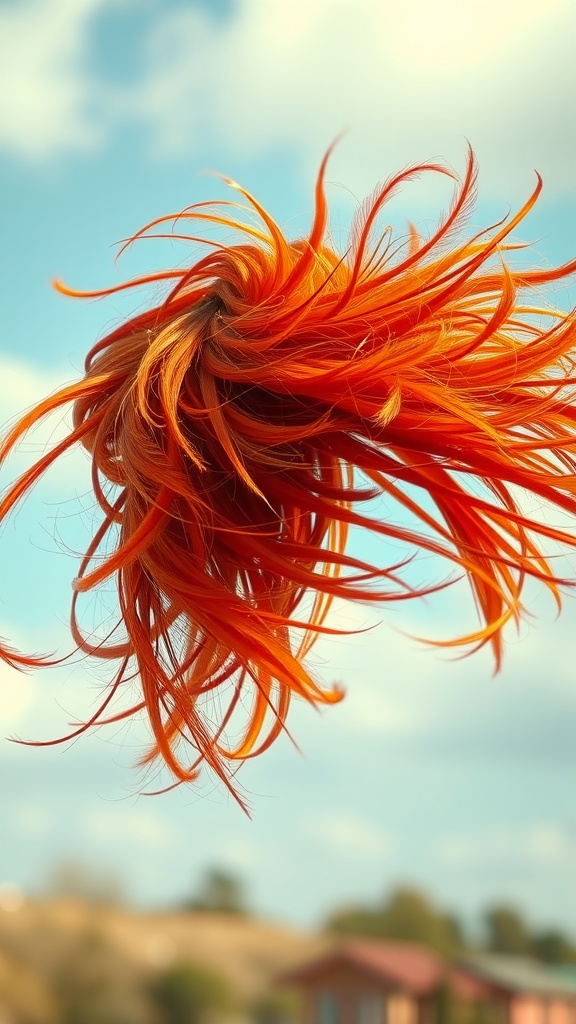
{"points": [[248, 952]]}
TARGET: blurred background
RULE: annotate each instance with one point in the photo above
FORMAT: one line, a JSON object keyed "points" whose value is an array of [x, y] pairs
{"points": [[434, 776]]}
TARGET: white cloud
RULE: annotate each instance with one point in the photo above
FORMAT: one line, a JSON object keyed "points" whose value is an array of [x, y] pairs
{"points": [[121, 824], [47, 91], [544, 844], [351, 836], [395, 688], [16, 696], [45, 704], [411, 81], [432, 705], [23, 386], [38, 706]]}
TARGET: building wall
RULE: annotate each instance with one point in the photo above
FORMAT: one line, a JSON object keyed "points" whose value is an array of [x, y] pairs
{"points": [[343, 996], [402, 1009], [561, 1012], [527, 1010], [532, 1010]]}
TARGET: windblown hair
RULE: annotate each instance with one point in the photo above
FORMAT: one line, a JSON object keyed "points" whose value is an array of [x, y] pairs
{"points": [[240, 428]]}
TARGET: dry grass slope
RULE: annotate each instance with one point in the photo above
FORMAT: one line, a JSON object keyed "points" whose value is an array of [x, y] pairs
{"points": [[249, 953]]}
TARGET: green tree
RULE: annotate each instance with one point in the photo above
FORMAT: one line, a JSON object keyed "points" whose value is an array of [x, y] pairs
{"points": [[356, 920], [189, 994], [553, 947], [507, 931], [410, 916], [407, 916], [220, 892]]}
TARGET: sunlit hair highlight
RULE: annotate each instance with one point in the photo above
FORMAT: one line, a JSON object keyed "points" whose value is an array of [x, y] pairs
{"points": [[241, 427]]}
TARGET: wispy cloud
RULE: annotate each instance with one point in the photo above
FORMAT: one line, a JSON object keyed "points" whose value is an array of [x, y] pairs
{"points": [[544, 844], [23, 386], [410, 80], [48, 93], [131, 825], [16, 696], [350, 835], [427, 707]]}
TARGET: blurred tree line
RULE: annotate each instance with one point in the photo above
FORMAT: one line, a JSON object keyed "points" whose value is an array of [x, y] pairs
{"points": [[408, 915], [405, 915], [48, 976], [219, 892]]}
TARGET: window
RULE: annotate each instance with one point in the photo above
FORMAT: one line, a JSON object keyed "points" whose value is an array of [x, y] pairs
{"points": [[371, 1009], [327, 1009]]}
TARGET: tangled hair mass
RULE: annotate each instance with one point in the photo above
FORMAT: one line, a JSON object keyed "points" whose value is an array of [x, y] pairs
{"points": [[239, 429]]}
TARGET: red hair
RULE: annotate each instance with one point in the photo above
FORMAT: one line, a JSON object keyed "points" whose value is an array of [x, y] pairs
{"points": [[238, 429]]}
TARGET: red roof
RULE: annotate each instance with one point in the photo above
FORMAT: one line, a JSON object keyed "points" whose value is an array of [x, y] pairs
{"points": [[469, 986], [402, 966], [407, 967]]}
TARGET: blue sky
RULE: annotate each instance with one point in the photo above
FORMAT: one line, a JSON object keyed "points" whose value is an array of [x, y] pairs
{"points": [[432, 771]]}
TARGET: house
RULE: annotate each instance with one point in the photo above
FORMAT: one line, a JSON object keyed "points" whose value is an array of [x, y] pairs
{"points": [[534, 993], [362, 982]]}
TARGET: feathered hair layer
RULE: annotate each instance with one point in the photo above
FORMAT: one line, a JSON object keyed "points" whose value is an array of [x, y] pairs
{"points": [[241, 427]]}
